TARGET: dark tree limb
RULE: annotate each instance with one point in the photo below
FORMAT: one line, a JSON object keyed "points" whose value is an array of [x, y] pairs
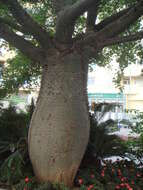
{"points": [[110, 19], [124, 39], [120, 25], [13, 25], [113, 29], [27, 48], [25, 20], [78, 8], [58, 5], [93, 46], [10, 23], [67, 18], [91, 16]]}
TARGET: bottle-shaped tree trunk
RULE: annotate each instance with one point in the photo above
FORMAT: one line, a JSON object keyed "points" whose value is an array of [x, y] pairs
{"points": [[59, 128]]}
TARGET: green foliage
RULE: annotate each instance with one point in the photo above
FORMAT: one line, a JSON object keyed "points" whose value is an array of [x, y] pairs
{"points": [[136, 124], [11, 169], [134, 146], [4, 10], [134, 149], [112, 176], [26, 184], [45, 186], [15, 167], [19, 72], [107, 9], [101, 144], [44, 13], [48, 186], [32, 184], [89, 178], [139, 122], [13, 124], [13, 145]]}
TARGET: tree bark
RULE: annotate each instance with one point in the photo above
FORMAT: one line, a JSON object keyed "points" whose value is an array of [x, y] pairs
{"points": [[59, 128]]}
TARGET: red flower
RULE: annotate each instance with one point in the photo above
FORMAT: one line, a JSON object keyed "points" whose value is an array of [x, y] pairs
{"points": [[119, 172], [132, 182], [92, 176], [90, 187], [127, 186], [80, 181], [104, 168], [117, 187], [138, 175], [113, 170], [122, 184], [26, 180], [102, 174], [123, 179]]}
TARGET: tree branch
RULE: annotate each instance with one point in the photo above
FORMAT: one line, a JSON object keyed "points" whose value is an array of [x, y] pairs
{"points": [[68, 17], [79, 8], [20, 43], [118, 40], [28, 23], [58, 5], [121, 24], [13, 25], [110, 19], [91, 16]]}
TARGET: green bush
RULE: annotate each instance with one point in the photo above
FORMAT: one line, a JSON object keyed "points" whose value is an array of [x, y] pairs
{"points": [[113, 176], [101, 144], [134, 149], [13, 125], [13, 145], [16, 166], [32, 184], [25, 184]]}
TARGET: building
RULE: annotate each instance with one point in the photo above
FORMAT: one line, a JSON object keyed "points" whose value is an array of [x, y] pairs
{"points": [[101, 87], [133, 87]]}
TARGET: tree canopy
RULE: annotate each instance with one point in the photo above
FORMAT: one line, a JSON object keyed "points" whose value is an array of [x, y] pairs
{"points": [[63, 37], [102, 28]]}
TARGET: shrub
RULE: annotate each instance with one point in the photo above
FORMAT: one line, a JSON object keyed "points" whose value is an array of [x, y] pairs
{"points": [[113, 176], [101, 144], [134, 149], [32, 184], [13, 145]]}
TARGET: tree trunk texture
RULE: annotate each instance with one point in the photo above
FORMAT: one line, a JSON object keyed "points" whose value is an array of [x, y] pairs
{"points": [[59, 129]]}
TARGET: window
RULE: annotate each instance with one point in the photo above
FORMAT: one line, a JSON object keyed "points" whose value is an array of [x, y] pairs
{"points": [[91, 81], [126, 82]]}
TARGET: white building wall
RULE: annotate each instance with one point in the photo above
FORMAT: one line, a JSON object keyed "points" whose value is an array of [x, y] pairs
{"points": [[100, 80]]}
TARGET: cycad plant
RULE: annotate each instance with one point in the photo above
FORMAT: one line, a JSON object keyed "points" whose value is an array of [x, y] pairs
{"points": [[101, 143]]}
